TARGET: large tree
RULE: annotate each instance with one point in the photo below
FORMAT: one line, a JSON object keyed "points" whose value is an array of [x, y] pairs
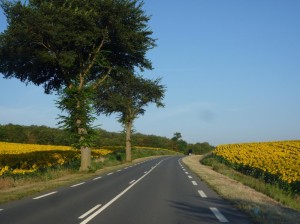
{"points": [[128, 97], [70, 47]]}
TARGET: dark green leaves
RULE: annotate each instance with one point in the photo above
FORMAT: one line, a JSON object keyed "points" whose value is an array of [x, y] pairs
{"points": [[128, 96]]}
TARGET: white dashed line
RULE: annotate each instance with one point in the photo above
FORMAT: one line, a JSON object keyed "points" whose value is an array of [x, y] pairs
{"points": [[131, 182], [75, 185], [45, 195], [218, 214], [202, 194], [113, 200], [190, 177], [109, 174], [97, 178], [194, 183]]}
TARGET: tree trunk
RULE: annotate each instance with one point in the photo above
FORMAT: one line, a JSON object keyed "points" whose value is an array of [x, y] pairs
{"points": [[85, 158], [128, 141], [85, 151]]}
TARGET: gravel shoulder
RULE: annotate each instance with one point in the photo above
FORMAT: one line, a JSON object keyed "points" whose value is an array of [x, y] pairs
{"points": [[260, 207]]}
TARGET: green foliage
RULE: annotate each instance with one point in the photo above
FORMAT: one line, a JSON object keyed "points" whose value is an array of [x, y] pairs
{"points": [[53, 43], [34, 134], [54, 136], [200, 148], [128, 96], [71, 46], [111, 140], [178, 144], [78, 121]]}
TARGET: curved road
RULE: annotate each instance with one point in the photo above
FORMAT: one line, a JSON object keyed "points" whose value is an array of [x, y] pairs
{"points": [[156, 191]]}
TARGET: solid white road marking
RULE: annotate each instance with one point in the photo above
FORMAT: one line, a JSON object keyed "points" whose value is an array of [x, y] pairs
{"points": [[114, 199], [97, 178], [202, 194], [89, 211], [75, 185], [45, 195], [194, 183], [218, 214]]}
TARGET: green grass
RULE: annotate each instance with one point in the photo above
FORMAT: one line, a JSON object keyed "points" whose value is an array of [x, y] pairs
{"points": [[285, 197]]}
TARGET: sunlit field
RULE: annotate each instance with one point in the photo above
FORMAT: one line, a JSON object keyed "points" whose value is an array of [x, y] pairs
{"points": [[275, 162]]}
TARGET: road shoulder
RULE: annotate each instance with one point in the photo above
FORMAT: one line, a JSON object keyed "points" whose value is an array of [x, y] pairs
{"points": [[260, 207]]}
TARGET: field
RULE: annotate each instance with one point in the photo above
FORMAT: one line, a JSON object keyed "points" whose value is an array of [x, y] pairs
{"points": [[275, 162], [20, 159]]}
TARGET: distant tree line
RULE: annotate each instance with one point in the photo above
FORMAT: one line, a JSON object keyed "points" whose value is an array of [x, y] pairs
{"points": [[54, 136]]}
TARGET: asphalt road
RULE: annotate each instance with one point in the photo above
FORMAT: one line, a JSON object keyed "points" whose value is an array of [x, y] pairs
{"points": [[158, 191]]}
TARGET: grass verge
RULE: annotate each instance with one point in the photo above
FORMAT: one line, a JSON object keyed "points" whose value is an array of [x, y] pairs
{"points": [[286, 198], [260, 207]]}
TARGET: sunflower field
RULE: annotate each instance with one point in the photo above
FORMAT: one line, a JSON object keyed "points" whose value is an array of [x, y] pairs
{"points": [[275, 162], [20, 159]]}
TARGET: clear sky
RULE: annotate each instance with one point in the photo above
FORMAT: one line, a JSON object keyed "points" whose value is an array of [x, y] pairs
{"points": [[231, 68]]}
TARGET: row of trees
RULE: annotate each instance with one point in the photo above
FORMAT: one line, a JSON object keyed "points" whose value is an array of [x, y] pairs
{"points": [[53, 136], [88, 52]]}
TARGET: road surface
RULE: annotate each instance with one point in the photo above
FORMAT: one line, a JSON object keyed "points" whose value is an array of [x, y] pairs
{"points": [[157, 191]]}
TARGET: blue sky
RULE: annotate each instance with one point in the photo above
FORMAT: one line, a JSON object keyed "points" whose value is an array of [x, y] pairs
{"points": [[231, 68]]}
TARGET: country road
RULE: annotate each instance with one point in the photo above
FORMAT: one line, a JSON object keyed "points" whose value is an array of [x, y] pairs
{"points": [[157, 191]]}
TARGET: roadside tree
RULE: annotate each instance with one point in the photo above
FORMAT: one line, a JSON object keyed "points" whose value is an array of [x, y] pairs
{"points": [[70, 47], [128, 96]]}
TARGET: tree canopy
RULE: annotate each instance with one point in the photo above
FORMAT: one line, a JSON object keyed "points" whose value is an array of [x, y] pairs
{"points": [[128, 97], [73, 42], [71, 46]]}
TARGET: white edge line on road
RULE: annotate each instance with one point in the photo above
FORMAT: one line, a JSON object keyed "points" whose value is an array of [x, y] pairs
{"points": [[190, 177], [96, 178], [119, 170], [109, 174], [194, 183], [202, 194], [114, 199], [89, 211], [1, 209], [75, 185], [218, 214], [44, 195]]}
